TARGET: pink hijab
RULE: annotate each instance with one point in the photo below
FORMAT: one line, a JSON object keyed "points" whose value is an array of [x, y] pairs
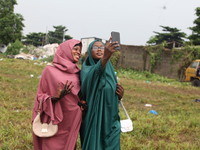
{"points": [[63, 69], [63, 59]]}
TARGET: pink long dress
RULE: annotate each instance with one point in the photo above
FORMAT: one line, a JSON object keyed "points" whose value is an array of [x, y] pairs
{"points": [[66, 112]]}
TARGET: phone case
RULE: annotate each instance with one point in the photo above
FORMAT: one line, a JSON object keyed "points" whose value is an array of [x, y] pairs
{"points": [[116, 37]]}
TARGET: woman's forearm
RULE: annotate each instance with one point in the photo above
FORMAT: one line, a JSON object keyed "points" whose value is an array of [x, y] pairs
{"points": [[104, 61]]}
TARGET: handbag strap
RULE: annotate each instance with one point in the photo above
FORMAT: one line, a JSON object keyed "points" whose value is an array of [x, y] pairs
{"points": [[124, 109]]}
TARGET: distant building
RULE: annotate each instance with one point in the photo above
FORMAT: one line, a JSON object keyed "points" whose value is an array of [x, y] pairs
{"points": [[86, 41]]}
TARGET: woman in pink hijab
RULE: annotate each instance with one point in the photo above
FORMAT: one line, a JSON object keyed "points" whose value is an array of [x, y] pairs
{"points": [[58, 90]]}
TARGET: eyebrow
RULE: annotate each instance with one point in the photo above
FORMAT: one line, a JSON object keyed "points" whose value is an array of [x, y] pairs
{"points": [[97, 45]]}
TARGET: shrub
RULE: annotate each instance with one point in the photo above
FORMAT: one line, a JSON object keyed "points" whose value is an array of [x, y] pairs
{"points": [[115, 58], [14, 48], [48, 59]]}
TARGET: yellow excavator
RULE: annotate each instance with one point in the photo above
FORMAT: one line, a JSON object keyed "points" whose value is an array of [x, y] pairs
{"points": [[192, 73]]}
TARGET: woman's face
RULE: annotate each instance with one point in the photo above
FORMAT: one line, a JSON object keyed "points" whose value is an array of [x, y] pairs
{"points": [[76, 53], [97, 50]]}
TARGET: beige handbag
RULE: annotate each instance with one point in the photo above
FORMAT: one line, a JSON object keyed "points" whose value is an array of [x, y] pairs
{"points": [[43, 129], [126, 124]]}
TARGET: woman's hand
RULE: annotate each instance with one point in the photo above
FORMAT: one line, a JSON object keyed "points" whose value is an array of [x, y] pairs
{"points": [[120, 91], [110, 48], [62, 91], [108, 51]]}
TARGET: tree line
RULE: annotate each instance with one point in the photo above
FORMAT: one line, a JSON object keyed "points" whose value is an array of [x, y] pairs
{"points": [[11, 28], [39, 39], [175, 38]]}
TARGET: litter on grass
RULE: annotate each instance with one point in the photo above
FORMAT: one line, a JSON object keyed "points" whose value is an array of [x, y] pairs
{"points": [[153, 112], [148, 105]]}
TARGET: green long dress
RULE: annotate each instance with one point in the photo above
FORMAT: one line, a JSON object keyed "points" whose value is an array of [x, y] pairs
{"points": [[100, 129]]}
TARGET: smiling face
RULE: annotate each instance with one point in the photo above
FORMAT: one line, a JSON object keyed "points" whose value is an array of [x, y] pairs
{"points": [[97, 50], [76, 53]]}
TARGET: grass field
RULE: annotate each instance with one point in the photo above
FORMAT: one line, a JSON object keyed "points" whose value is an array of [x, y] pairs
{"points": [[177, 125]]}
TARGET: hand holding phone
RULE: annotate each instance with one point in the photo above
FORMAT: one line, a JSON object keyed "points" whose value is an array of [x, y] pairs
{"points": [[116, 37]]}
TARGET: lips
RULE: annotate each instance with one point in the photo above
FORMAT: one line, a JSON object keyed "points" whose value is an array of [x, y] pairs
{"points": [[77, 56], [99, 54]]}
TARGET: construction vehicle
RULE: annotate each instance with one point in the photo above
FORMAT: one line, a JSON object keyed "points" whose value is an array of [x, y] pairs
{"points": [[192, 73]]}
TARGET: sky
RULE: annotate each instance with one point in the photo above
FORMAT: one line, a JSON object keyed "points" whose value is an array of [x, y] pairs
{"points": [[136, 20]]}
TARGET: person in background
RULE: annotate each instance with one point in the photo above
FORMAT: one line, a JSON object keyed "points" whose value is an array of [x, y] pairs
{"points": [[100, 129], [58, 90]]}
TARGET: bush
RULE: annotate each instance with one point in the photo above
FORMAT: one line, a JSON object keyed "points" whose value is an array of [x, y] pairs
{"points": [[25, 50], [48, 59], [14, 48], [115, 58]]}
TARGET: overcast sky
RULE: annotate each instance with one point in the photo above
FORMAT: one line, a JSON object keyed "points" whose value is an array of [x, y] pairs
{"points": [[134, 19]]}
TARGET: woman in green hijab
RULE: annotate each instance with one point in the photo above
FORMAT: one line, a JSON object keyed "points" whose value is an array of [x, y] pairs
{"points": [[100, 128]]}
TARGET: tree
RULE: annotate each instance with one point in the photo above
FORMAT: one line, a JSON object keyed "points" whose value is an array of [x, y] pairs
{"points": [[172, 36], [39, 39], [11, 25], [195, 37], [36, 39], [58, 36]]}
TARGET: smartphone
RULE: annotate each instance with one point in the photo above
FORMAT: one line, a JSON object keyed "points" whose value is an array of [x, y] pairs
{"points": [[115, 37]]}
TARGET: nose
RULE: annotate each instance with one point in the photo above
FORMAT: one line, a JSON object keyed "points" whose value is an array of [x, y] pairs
{"points": [[79, 52], [99, 49]]}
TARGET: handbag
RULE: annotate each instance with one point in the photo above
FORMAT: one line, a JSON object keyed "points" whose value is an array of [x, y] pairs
{"points": [[126, 124], [43, 129]]}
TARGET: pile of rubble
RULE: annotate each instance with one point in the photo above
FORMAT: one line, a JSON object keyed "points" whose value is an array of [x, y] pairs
{"points": [[45, 51], [37, 53]]}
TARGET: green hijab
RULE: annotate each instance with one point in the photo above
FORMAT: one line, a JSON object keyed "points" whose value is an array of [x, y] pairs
{"points": [[100, 128], [88, 65]]}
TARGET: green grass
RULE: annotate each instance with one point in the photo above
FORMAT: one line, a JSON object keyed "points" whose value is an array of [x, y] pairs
{"points": [[177, 125]]}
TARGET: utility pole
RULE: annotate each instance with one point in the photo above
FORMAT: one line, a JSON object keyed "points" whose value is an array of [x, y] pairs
{"points": [[46, 37]]}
